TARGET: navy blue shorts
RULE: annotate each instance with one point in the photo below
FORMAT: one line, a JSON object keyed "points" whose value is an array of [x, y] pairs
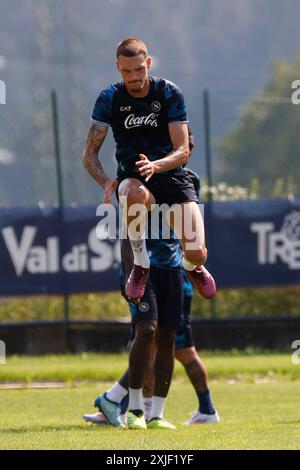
{"points": [[168, 189], [148, 309], [184, 337], [163, 298]]}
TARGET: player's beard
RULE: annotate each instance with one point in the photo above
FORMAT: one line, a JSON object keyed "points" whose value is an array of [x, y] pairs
{"points": [[136, 86]]}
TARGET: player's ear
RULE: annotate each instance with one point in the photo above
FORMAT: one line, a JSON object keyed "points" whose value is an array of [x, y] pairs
{"points": [[117, 65], [149, 62]]}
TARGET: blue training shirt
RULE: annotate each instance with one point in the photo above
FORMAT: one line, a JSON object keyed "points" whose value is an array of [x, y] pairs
{"points": [[140, 125]]}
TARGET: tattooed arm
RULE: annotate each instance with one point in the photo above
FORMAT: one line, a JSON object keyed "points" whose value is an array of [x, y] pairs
{"points": [[91, 161]]}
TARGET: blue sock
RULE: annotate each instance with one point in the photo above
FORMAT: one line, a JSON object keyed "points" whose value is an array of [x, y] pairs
{"points": [[205, 403], [124, 404]]}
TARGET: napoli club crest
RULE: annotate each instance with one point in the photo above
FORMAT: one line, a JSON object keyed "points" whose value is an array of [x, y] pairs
{"points": [[156, 106]]}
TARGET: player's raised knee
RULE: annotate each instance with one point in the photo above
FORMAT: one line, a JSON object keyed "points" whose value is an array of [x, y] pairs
{"points": [[137, 195], [134, 194], [197, 257]]}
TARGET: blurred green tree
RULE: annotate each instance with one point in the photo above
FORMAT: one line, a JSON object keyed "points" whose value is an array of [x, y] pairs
{"points": [[264, 145]]}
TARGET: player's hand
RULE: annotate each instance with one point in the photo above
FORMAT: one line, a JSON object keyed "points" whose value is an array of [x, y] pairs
{"points": [[109, 188], [145, 167]]}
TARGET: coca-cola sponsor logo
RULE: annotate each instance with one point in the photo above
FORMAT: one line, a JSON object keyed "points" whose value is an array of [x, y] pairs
{"points": [[133, 121]]}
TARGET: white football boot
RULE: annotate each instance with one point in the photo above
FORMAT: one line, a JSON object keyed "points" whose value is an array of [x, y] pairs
{"points": [[200, 418], [99, 418], [96, 418]]}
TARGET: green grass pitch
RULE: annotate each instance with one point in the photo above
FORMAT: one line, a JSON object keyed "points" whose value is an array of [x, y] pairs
{"points": [[258, 410]]}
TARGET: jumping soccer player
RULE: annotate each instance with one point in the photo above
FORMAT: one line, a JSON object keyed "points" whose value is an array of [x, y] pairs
{"points": [[149, 123]]}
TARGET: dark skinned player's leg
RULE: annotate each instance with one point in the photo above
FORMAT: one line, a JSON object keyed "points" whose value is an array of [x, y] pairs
{"points": [[148, 389], [144, 327], [140, 352], [163, 368], [124, 380], [168, 285], [157, 378], [139, 359], [132, 380], [148, 385], [194, 367], [149, 380], [198, 376], [185, 352], [157, 362], [164, 361]]}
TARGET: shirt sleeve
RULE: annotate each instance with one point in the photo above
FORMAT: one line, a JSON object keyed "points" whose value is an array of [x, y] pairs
{"points": [[175, 105], [102, 111]]}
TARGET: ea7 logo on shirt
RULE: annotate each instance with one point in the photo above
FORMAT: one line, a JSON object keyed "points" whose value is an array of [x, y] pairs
{"points": [[125, 108], [283, 245]]}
